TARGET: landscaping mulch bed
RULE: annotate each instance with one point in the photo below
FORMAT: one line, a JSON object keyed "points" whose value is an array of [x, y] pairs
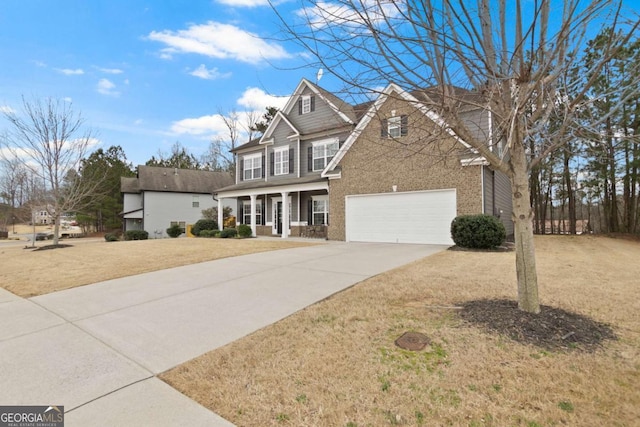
{"points": [[551, 329]]}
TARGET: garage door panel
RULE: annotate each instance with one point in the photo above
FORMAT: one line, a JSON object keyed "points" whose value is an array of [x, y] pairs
{"points": [[411, 217]]}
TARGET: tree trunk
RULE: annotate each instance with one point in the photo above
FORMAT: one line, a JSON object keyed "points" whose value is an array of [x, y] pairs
{"points": [[523, 233], [571, 197], [536, 200], [56, 228]]}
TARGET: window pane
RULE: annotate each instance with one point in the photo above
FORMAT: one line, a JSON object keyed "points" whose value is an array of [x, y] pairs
{"points": [[394, 124], [306, 104], [281, 162]]}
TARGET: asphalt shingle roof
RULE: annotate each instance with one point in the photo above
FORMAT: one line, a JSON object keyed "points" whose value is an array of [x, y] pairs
{"points": [[151, 178]]}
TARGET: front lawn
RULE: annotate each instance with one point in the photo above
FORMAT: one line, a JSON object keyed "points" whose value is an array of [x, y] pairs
{"points": [[336, 364], [27, 273]]}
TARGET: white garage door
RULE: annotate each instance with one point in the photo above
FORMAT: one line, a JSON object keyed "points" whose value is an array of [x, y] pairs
{"points": [[411, 217]]}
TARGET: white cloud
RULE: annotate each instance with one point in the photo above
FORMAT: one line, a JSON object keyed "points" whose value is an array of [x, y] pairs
{"points": [[256, 99], [217, 40], [253, 99], [70, 72], [212, 124], [40, 64], [107, 87], [110, 70], [6, 109], [349, 16], [244, 3], [67, 99], [209, 74]]}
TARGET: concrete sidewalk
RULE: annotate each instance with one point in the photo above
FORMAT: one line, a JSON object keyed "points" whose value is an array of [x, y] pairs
{"points": [[96, 349]]}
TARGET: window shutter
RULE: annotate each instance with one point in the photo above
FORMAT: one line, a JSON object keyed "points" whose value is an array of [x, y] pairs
{"points": [[241, 169], [271, 163], [313, 103], [404, 125], [310, 211], [263, 164], [291, 166], [241, 210], [384, 130], [263, 217], [300, 106], [310, 159]]}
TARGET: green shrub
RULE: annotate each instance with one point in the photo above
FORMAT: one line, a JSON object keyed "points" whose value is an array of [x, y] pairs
{"points": [[244, 230], [111, 237], [478, 231], [174, 230], [228, 232], [204, 224], [136, 235], [207, 233]]}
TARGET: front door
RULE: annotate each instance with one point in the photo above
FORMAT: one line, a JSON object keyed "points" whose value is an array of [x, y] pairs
{"points": [[279, 217]]}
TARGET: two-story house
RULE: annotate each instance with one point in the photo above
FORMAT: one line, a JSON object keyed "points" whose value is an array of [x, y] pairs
{"points": [[158, 197], [382, 171]]}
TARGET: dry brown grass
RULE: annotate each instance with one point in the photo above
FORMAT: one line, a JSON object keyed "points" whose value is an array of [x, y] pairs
{"points": [[27, 273], [335, 363]]}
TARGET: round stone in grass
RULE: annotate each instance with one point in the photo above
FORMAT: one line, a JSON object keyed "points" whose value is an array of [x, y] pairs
{"points": [[414, 341]]}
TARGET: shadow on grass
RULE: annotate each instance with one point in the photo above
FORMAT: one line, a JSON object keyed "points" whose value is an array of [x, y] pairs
{"points": [[58, 246]]}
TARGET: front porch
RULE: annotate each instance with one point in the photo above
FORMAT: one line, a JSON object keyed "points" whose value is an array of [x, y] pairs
{"points": [[294, 210]]}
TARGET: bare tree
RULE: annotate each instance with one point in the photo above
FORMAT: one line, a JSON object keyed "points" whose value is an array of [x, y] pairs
{"points": [[51, 141], [219, 155], [517, 54]]}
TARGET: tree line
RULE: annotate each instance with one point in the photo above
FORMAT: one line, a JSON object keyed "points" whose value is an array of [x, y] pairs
{"points": [[591, 185], [46, 164]]}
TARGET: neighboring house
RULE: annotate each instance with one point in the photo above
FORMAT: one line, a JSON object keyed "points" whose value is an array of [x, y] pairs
{"points": [[383, 171], [160, 197], [41, 215]]}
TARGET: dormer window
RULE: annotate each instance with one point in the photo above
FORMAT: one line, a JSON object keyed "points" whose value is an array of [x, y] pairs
{"points": [[306, 104]]}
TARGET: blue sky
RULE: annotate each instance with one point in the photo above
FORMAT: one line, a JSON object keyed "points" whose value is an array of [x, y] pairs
{"points": [[145, 74]]}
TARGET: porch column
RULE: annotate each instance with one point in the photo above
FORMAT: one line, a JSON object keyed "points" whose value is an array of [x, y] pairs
{"points": [[220, 214], [253, 215], [285, 214]]}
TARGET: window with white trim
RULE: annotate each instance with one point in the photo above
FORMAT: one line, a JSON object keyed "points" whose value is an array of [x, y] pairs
{"points": [[394, 126], [281, 161], [320, 211], [246, 212], [323, 153], [252, 166], [306, 104], [195, 202]]}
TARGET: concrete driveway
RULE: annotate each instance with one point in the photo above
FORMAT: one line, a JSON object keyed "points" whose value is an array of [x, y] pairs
{"points": [[96, 349]]}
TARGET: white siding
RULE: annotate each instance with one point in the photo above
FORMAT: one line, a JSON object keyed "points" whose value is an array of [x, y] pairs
{"points": [[132, 202], [162, 208]]}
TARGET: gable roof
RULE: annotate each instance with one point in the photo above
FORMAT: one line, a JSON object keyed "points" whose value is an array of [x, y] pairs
{"points": [[151, 178], [279, 117], [332, 168], [343, 109]]}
